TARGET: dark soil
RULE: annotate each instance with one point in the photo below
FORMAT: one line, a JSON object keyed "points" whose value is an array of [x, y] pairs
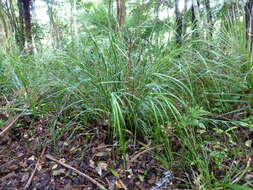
{"points": [[87, 152]]}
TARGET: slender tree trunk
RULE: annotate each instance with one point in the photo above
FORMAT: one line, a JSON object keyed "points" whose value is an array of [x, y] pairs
{"points": [[184, 19], [121, 12], [21, 23], [73, 18], [195, 18], [194, 21], [209, 17], [195, 5], [249, 35], [179, 23], [25, 20], [73, 29], [249, 22]]}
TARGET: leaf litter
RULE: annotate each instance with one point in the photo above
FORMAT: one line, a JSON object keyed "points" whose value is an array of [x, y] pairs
{"points": [[20, 161], [91, 154]]}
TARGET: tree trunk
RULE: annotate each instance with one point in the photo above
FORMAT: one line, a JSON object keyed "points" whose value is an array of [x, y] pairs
{"points": [[121, 12], [25, 19], [21, 25], [184, 19], [73, 28], [209, 17], [195, 18], [249, 22], [179, 23]]}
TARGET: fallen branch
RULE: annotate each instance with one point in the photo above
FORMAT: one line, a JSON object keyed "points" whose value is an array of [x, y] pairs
{"points": [[99, 185], [10, 123], [35, 169]]}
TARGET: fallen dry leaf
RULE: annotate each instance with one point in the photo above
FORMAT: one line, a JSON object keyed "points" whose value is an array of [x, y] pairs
{"points": [[120, 185], [59, 172]]}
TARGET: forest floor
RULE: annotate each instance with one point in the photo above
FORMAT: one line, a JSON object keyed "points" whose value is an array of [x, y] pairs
{"points": [[83, 158], [25, 150], [25, 145]]}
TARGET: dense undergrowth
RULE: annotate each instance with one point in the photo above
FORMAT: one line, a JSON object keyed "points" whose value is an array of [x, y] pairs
{"points": [[195, 99]]}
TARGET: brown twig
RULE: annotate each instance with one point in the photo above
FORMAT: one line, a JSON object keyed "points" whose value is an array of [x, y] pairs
{"points": [[10, 123], [99, 185], [143, 152], [35, 169], [243, 172]]}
